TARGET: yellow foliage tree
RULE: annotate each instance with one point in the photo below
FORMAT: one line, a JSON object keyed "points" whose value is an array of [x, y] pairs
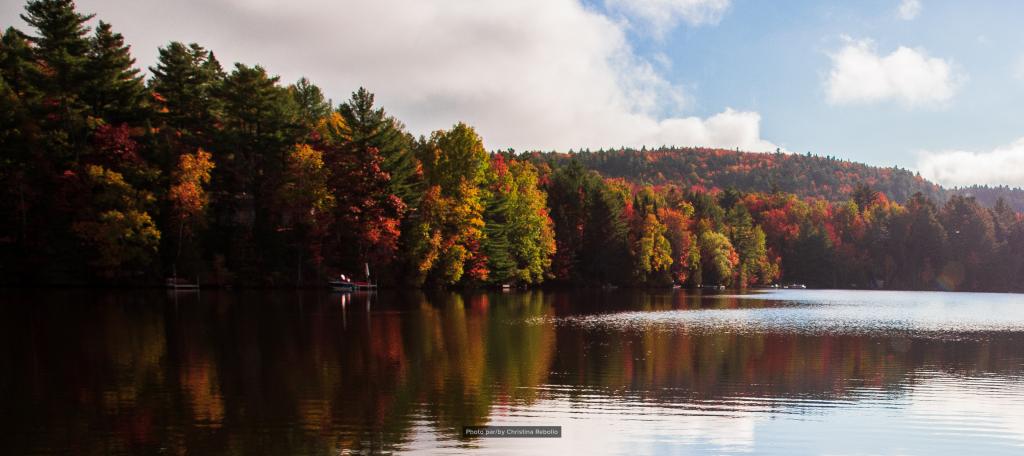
{"points": [[306, 198], [116, 224], [188, 194]]}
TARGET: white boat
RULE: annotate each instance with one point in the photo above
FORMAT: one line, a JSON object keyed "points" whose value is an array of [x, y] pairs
{"points": [[349, 285], [174, 283], [345, 283]]}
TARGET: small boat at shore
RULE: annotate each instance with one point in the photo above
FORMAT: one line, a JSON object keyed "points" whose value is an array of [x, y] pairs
{"points": [[178, 284], [345, 283], [348, 285]]}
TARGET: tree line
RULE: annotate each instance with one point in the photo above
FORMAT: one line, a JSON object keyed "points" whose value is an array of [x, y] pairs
{"points": [[236, 178]]}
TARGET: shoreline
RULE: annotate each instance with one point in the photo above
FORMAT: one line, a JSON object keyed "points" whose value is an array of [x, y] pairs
{"points": [[495, 289]]}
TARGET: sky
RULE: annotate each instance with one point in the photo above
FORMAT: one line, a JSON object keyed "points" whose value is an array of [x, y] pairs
{"points": [[927, 85]]}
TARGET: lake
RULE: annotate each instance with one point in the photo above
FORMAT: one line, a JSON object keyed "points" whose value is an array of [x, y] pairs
{"points": [[287, 372]]}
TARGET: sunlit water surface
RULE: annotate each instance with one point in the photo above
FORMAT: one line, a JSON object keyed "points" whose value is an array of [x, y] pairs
{"points": [[780, 372]]}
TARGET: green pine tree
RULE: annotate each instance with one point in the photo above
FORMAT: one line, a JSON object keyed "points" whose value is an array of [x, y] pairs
{"points": [[374, 128], [115, 91], [496, 241], [312, 106], [185, 80], [62, 48]]}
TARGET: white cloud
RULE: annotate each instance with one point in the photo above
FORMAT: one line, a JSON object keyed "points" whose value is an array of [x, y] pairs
{"points": [[544, 74], [727, 129], [860, 75], [909, 9], [662, 15], [1003, 165]]}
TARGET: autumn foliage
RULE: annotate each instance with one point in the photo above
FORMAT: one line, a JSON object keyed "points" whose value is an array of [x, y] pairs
{"points": [[231, 177]]}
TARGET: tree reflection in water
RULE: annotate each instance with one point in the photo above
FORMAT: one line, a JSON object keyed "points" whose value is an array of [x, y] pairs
{"points": [[312, 372]]}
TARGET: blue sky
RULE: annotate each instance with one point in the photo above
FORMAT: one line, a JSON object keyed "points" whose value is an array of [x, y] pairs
{"points": [[926, 85], [773, 58]]}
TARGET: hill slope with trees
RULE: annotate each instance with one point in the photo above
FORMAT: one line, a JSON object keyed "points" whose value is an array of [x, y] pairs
{"points": [[804, 175], [716, 169]]}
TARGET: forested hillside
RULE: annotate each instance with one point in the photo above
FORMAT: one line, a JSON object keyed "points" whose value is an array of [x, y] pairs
{"points": [[803, 175], [719, 169], [235, 178]]}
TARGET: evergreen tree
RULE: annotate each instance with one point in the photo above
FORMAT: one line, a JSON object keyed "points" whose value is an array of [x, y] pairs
{"points": [[923, 243], [62, 49], [115, 90], [1003, 218], [374, 128], [864, 196], [21, 171], [971, 235], [604, 256], [17, 62], [1011, 261], [706, 207], [259, 130], [500, 264], [811, 260], [567, 204], [184, 83], [311, 105]]}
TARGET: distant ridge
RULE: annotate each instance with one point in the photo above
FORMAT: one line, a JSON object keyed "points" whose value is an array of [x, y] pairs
{"points": [[805, 175]]}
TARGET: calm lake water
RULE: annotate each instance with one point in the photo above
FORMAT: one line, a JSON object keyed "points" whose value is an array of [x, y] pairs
{"points": [[257, 372]]}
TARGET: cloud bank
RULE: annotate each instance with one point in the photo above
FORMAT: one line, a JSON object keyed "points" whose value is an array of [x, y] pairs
{"points": [[528, 74], [1003, 165], [859, 75]]}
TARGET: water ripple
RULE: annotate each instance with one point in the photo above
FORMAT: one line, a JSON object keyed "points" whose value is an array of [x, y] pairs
{"points": [[831, 312]]}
